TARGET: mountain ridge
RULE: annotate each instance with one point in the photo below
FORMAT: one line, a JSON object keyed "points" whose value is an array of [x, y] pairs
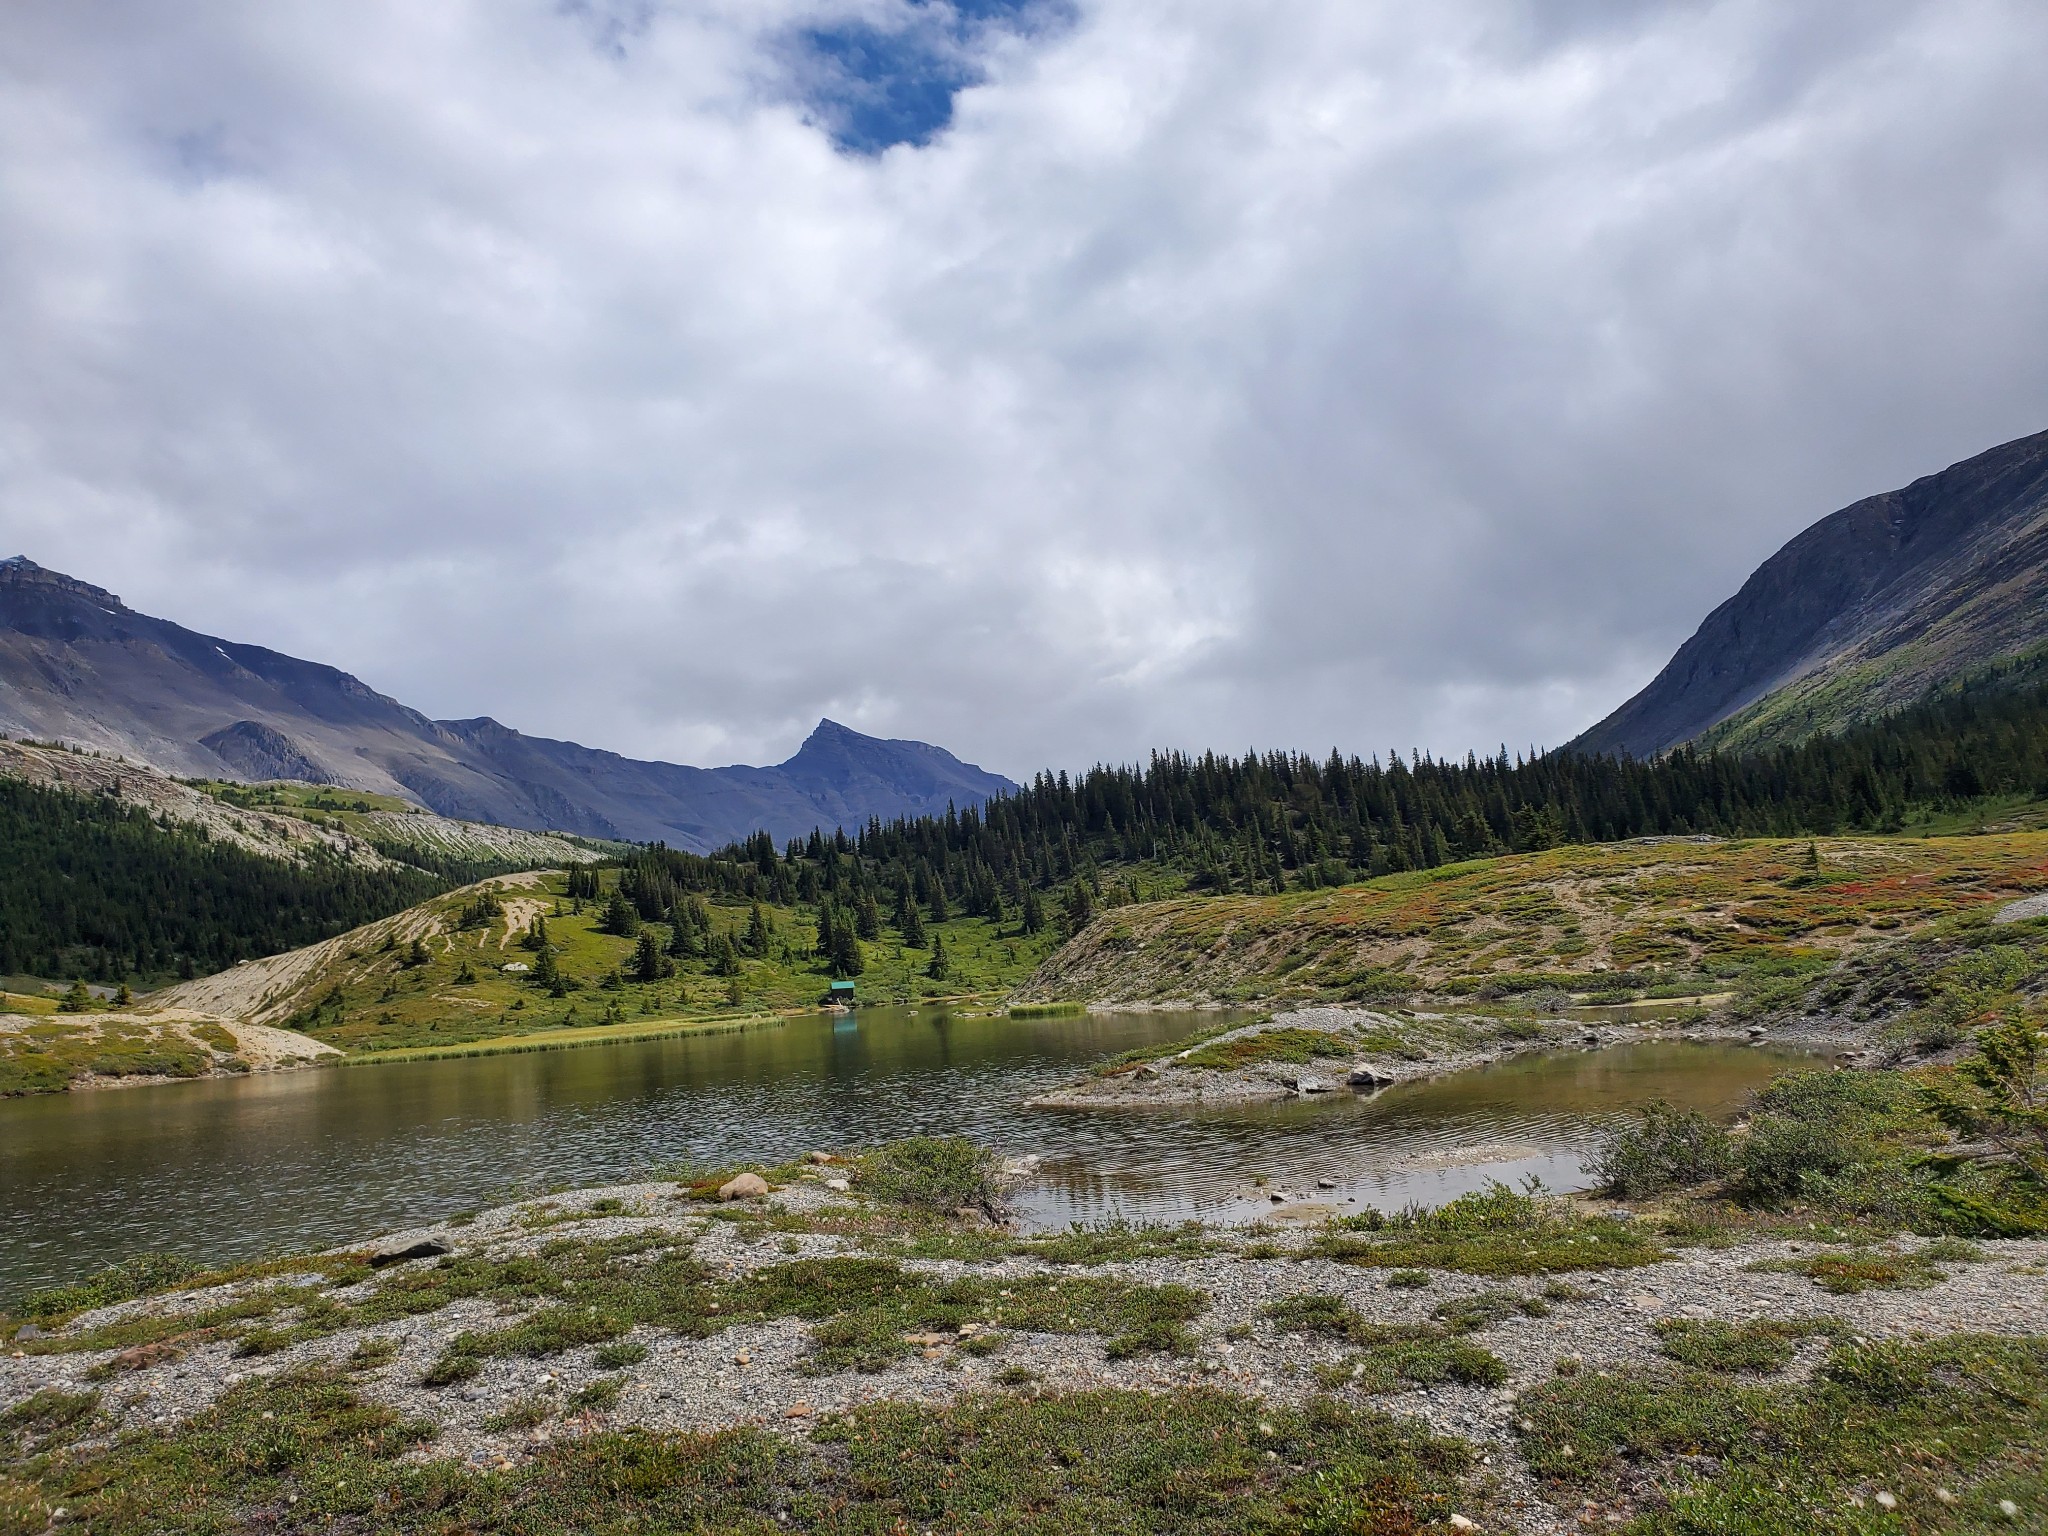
{"points": [[78, 665], [1860, 613]]}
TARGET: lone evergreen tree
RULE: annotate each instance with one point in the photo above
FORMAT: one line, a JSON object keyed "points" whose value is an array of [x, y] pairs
{"points": [[758, 933], [620, 915], [649, 963], [913, 928], [940, 967]]}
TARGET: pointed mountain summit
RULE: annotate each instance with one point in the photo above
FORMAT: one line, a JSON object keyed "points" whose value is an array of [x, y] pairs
{"points": [[1862, 613], [77, 665]]}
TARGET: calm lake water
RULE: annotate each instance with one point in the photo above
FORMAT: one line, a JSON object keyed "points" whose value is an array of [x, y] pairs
{"points": [[235, 1167]]}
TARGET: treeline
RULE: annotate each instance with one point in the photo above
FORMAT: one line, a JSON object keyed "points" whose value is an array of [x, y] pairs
{"points": [[93, 887], [1272, 821]]}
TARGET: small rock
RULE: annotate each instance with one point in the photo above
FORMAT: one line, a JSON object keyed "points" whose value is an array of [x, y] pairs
{"points": [[1277, 1198], [1326, 1183], [822, 1158], [1886, 1500], [1366, 1075], [431, 1248], [748, 1186], [28, 1331], [743, 1358], [1460, 1523], [797, 1411], [839, 1186], [2007, 1508], [1310, 1085], [1946, 1496]]}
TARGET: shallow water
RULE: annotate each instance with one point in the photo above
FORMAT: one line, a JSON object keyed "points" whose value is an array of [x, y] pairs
{"points": [[229, 1168]]}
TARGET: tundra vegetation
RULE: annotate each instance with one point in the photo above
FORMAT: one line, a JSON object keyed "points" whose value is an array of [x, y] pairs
{"points": [[310, 1427]]}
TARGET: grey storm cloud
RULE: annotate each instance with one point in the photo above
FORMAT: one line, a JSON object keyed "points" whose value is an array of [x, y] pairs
{"points": [[1335, 373]]}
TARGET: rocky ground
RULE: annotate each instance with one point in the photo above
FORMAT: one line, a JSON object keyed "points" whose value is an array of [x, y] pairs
{"points": [[1283, 1057], [761, 1373]]}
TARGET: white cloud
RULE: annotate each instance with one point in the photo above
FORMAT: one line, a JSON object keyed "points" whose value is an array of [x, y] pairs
{"points": [[1338, 373]]}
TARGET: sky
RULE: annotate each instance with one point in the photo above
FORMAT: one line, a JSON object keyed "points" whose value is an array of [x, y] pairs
{"points": [[1053, 380]]}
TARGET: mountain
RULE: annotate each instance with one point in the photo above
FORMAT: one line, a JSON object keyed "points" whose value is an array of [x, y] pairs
{"points": [[1863, 612], [78, 665]]}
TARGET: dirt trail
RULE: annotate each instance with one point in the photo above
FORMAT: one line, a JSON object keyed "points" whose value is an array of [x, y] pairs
{"points": [[520, 911]]}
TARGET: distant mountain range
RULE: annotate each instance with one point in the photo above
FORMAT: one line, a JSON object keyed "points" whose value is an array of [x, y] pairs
{"points": [[1865, 611], [78, 665]]}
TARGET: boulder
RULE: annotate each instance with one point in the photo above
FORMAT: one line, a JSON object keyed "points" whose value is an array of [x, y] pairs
{"points": [[1366, 1075], [748, 1186], [839, 1186], [1310, 1085], [822, 1158], [431, 1248]]}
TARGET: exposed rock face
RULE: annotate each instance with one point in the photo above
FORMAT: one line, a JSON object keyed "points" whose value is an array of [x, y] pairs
{"points": [[1862, 612], [78, 665]]}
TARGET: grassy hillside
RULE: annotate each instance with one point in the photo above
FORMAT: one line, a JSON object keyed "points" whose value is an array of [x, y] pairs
{"points": [[422, 979], [1670, 918], [461, 850]]}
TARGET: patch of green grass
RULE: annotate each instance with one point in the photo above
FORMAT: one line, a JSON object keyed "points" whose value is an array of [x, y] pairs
{"points": [[1758, 1346], [1848, 1274], [371, 1354], [1698, 1451], [619, 1354], [1048, 1010], [1469, 1314], [48, 1418], [1282, 1045], [303, 1452], [525, 1413], [599, 1394], [48, 1055], [860, 1310], [1408, 1280], [1496, 1231], [1401, 1364], [1391, 1357]]}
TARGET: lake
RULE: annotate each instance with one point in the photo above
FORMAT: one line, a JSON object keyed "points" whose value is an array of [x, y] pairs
{"points": [[229, 1168]]}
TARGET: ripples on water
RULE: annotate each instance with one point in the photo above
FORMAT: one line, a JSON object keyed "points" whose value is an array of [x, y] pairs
{"points": [[226, 1169]]}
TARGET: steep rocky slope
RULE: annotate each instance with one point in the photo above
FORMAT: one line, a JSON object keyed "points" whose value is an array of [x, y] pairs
{"points": [[79, 666], [1864, 611], [357, 838]]}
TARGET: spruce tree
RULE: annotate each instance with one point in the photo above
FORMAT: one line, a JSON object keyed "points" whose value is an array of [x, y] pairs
{"points": [[758, 933], [621, 917], [940, 967], [648, 962], [913, 928]]}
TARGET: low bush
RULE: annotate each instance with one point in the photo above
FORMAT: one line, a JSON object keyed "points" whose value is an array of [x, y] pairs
{"points": [[936, 1173], [1665, 1148]]}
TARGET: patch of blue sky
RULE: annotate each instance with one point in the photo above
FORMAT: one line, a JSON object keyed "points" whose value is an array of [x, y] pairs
{"points": [[874, 84]]}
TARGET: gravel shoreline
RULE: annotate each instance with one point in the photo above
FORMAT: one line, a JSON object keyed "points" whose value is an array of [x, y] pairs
{"points": [[756, 1374]]}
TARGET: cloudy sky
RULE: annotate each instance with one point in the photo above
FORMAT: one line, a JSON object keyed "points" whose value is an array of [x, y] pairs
{"points": [[1050, 379]]}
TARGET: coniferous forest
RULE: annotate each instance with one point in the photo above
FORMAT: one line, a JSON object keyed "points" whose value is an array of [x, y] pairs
{"points": [[95, 888], [1268, 822]]}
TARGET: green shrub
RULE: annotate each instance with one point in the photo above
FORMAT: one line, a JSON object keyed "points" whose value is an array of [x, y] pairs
{"points": [[1666, 1148], [144, 1275], [939, 1173]]}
